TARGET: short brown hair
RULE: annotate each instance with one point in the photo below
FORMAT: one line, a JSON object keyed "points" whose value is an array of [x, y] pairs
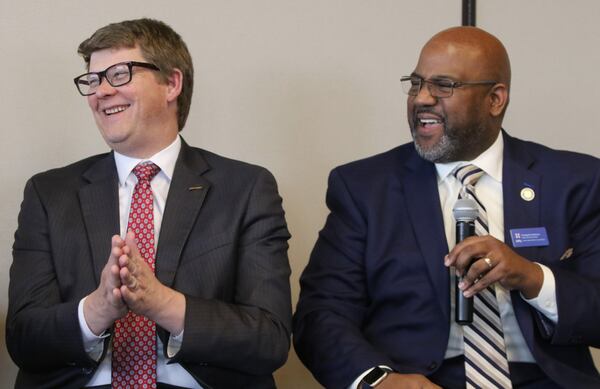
{"points": [[159, 44]]}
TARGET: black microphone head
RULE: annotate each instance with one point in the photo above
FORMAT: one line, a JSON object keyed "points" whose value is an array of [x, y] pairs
{"points": [[465, 210]]}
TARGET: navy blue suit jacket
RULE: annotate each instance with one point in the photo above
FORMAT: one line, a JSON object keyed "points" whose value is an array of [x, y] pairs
{"points": [[376, 292]]}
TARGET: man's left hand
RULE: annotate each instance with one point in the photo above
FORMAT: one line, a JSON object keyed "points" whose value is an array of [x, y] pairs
{"points": [[484, 260]]}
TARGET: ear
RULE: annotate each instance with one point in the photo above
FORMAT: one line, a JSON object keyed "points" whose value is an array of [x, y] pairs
{"points": [[498, 99], [174, 85]]}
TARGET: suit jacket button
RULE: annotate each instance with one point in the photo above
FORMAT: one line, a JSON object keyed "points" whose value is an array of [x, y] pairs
{"points": [[432, 366], [86, 370]]}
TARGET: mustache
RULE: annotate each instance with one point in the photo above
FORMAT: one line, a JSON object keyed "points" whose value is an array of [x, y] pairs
{"points": [[419, 110], [414, 120]]}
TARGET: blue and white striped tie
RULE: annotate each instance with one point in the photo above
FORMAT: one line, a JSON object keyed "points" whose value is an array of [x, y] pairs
{"points": [[486, 365]]}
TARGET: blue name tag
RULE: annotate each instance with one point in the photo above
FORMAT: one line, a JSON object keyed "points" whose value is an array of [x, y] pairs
{"points": [[529, 237]]}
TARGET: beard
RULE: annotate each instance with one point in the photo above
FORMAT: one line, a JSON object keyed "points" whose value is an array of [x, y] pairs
{"points": [[455, 144], [438, 153]]}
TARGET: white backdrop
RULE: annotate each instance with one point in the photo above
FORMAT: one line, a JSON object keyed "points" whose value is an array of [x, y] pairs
{"points": [[296, 86]]}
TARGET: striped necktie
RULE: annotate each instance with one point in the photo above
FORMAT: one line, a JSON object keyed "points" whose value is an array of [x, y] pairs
{"points": [[486, 365]]}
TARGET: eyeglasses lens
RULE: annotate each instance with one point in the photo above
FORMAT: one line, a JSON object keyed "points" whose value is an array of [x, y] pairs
{"points": [[118, 74]]}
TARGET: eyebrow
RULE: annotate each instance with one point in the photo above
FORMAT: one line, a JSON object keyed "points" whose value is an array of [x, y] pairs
{"points": [[436, 77]]}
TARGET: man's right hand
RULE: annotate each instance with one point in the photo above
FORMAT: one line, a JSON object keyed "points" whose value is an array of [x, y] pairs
{"points": [[407, 381], [104, 305]]}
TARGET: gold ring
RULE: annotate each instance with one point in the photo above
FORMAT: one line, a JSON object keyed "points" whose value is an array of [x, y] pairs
{"points": [[488, 262]]}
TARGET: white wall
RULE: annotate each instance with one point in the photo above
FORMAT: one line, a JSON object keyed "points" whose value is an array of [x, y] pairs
{"points": [[296, 86]]}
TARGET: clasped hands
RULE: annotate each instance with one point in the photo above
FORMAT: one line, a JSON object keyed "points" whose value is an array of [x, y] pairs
{"points": [[127, 284]]}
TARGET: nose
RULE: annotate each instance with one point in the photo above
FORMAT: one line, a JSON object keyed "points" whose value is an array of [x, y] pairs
{"points": [[105, 89], [424, 96]]}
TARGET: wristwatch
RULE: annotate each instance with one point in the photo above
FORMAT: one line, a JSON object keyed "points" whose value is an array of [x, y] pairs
{"points": [[374, 377]]}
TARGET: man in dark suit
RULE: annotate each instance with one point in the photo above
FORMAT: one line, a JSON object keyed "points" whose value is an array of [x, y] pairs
{"points": [[196, 294], [377, 303]]}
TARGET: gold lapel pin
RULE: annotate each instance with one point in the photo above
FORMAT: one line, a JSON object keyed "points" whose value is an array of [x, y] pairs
{"points": [[195, 188], [567, 254], [527, 194]]}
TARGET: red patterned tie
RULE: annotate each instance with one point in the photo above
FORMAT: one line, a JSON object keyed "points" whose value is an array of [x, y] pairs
{"points": [[134, 343]]}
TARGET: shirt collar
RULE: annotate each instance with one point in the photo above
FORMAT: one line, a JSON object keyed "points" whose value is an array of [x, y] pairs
{"points": [[164, 159], [490, 161]]}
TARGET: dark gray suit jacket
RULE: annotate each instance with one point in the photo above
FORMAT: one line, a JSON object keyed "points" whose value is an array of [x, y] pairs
{"points": [[223, 243]]}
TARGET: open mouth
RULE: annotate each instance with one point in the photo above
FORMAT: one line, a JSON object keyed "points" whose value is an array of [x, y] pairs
{"points": [[429, 122], [114, 110]]}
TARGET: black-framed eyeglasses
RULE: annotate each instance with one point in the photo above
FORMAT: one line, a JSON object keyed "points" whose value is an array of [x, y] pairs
{"points": [[441, 88], [118, 74]]}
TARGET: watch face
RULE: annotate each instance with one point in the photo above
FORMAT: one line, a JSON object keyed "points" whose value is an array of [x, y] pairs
{"points": [[375, 376]]}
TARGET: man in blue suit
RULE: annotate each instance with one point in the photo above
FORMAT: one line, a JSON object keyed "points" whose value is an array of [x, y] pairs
{"points": [[377, 301]]}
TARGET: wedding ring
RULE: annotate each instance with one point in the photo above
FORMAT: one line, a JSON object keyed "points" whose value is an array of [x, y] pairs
{"points": [[488, 262]]}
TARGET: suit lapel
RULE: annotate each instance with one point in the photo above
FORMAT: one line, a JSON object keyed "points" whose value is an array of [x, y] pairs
{"points": [[516, 176], [99, 206], [186, 196], [519, 213], [423, 203]]}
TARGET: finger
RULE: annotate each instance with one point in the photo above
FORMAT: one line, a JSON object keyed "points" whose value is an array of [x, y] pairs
{"points": [[117, 241], [461, 245], [116, 252], [467, 253], [131, 263], [131, 243], [124, 261], [128, 279], [114, 281], [130, 297], [117, 296], [127, 294], [478, 269], [454, 256], [482, 283]]}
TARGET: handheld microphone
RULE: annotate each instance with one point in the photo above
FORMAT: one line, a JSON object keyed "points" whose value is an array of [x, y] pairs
{"points": [[465, 212]]}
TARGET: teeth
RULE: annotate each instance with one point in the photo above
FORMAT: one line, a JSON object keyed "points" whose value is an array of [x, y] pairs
{"points": [[110, 111], [429, 121]]}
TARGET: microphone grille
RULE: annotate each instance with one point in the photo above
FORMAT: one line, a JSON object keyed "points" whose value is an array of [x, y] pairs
{"points": [[465, 210]]}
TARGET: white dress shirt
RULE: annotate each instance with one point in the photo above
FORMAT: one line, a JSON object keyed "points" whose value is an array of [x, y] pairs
{"points": [[173, 374], [489, 192]]}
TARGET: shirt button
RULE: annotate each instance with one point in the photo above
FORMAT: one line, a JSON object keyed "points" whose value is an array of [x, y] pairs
{"points": [[432, 366]]}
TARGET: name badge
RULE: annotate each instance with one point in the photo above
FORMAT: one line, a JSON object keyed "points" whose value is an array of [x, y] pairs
{"points": [[529, 237]]}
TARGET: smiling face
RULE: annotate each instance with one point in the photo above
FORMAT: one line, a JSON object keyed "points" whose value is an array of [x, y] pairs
{"points": [[462, 126], [137, 119]]}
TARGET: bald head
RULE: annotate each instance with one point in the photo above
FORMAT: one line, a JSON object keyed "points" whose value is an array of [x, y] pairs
{"points": [[479, 50], [460, 122]]}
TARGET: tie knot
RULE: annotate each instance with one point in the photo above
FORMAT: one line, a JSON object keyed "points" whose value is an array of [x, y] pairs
{"points": [[146, 171], [468, 175]]}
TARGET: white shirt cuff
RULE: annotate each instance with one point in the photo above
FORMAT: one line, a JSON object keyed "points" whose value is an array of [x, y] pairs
{"points": [[93, 344], [545, 302], [174, 344]]}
